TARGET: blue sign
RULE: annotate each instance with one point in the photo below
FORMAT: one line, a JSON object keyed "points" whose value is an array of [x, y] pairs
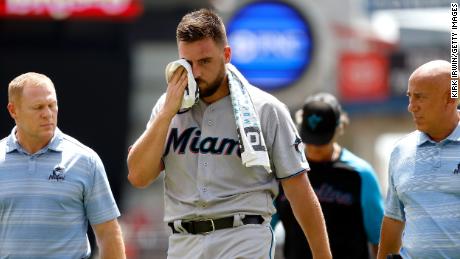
{"points": [[271, 42]]}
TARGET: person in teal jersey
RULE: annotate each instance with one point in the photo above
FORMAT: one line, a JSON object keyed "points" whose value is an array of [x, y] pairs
{"points": [[52, 186], [423, 202], [345, 184]]}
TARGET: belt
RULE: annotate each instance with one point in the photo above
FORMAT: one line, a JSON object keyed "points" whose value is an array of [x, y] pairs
{"points": [[210, 225]]}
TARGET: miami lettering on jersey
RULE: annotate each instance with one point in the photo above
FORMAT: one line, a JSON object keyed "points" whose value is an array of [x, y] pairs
{"points": [[327, 193], [191, 139]]}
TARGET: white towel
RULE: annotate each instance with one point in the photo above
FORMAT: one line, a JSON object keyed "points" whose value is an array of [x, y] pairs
{"points": [[252, 142], [191, 93]]}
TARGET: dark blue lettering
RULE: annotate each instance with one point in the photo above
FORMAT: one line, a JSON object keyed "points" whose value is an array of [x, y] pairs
{"points": [[229, 143], [194, 146], [177, 141], [211, 147]]}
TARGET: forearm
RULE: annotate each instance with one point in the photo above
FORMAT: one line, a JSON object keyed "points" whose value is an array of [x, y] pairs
{"points": [[384, 251], [310, 217], [307, 210], [374, 250], [144, 158], [390, 239], [113, 248], [110, 242]]}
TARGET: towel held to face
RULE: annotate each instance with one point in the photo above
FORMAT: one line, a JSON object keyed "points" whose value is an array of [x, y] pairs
{"points": [[252, 143], [191, 93]]}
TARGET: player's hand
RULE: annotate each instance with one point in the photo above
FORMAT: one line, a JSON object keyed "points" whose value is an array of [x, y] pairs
{"points": [[175, 92]]}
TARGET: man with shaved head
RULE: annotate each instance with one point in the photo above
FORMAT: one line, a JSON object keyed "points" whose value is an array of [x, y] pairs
{"points": [[422, 210]]}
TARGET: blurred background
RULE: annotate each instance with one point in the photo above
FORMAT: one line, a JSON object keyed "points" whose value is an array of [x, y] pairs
{"points": [[107, 61]]}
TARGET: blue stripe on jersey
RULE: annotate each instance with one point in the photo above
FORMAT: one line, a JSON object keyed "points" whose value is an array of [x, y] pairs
{"points": [[271, 253], [371, 199], [295, 174]]}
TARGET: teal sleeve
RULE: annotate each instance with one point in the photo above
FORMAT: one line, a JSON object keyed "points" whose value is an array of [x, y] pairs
{"points": [[372, 205], [371, 197]]}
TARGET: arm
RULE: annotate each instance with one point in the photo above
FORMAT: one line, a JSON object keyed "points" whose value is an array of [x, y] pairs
{"points": [[109, 240], [371, 206], [307, 211], [390, 239], [144, 158], [374, 250]]}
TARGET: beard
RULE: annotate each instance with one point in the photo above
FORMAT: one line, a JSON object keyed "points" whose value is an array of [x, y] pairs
{"points": [[208, 89]]}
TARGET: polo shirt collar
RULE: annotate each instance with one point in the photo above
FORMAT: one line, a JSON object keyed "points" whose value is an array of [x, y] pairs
{"points": [[55, 144], [454, 136]]}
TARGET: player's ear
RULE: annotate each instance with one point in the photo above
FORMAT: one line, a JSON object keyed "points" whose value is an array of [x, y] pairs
{"points": [[12, 110], [227, 54]]}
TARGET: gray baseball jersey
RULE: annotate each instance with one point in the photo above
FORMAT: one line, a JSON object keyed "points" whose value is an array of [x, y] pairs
{"points": [[204, 175]]}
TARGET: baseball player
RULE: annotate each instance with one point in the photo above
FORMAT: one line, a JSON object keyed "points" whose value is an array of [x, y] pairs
{"points": [[215, 206]]}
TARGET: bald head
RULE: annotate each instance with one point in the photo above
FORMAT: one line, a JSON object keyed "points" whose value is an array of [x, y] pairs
{"points": [[430, 104], [433, 74]]}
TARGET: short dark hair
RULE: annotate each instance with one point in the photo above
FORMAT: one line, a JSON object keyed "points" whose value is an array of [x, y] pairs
{"points": [[199, 25]]}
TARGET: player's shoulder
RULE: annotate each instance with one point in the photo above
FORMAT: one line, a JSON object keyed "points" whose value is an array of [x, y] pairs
{"points": [[260, 96], [265, 101], [355, 162]]}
